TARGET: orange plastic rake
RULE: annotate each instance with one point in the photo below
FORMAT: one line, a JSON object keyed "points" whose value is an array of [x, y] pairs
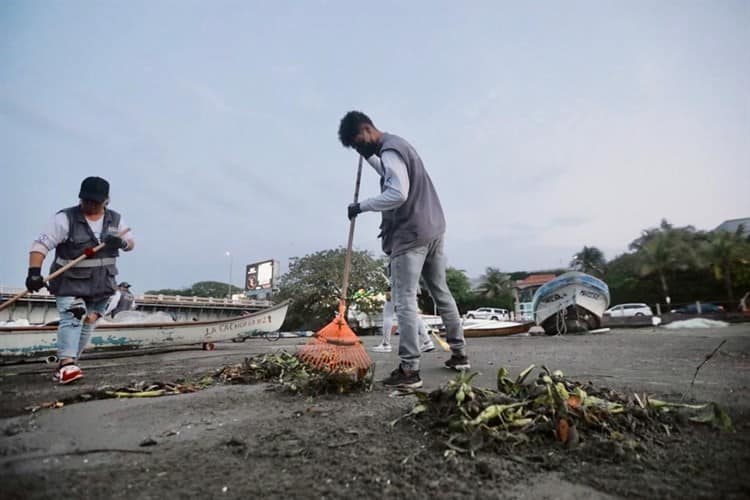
{"points": [[335, 347]]}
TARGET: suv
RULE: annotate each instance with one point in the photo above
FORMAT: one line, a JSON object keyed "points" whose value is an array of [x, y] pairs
{"points": [[488, 313], [627, 310], [706, 308]]}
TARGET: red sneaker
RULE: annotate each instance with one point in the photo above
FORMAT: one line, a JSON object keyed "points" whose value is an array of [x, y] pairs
{"points": [[67, 374]]}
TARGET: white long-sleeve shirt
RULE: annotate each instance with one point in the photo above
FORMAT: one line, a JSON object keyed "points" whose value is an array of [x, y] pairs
{"points": [[57, 231], [392, 169]]}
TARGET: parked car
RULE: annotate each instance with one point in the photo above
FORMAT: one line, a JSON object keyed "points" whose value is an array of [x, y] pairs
{"points": [[693, 309], [628, 310], [488, 313]]}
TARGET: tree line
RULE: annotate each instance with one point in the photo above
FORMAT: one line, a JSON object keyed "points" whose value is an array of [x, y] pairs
{"points": [[200, 289], [681, 263], [675, 264]]}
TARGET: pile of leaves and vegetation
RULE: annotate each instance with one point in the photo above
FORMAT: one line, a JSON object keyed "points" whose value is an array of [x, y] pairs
{"points": [[550, 409], [282, 369], [140, 389], [290, 374]]}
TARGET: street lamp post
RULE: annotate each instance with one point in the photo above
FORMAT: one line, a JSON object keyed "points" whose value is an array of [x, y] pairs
{"points": [[229, 287]]}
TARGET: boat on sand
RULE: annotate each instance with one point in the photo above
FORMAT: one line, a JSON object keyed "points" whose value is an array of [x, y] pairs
{"points": [[39, 340], [572, 302], [492, 328]]}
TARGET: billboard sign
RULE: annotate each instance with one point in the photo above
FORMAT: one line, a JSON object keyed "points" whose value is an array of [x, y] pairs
{"points": [[261, 275]]}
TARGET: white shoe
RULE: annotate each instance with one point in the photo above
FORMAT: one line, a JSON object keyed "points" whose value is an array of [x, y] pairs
{"points": [[427, 346], [382, 348]]}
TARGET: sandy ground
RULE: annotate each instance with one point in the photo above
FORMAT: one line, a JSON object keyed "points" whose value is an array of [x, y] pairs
{"points": [[240, 441]]}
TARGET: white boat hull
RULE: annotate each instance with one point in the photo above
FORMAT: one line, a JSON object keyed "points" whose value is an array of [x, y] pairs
{"points": [[573, 296], [31, 341]]}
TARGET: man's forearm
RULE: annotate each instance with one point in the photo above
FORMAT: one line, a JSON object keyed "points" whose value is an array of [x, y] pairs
{"points": [[36, 259]]}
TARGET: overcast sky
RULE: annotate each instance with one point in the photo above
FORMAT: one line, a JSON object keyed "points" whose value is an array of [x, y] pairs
{"points": [[545, 126]]}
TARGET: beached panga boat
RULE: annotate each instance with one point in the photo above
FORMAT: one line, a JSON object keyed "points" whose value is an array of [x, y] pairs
{"points": [[35, 341], [572, 302], [491, 328]]}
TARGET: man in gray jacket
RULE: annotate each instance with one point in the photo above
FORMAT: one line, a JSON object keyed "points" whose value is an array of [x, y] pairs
{"points": [[412, 232]]}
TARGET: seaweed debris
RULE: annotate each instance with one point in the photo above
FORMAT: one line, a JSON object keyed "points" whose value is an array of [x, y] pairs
{"points": [[287, 372], [550, 408]]}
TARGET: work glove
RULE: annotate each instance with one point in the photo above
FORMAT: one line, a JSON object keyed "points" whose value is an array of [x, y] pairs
{"points": [[353, 210], [34, 280], [114, 242]]}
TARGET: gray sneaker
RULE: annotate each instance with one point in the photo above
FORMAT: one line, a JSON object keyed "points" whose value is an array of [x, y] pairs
{"points": [[458, 362], [404, 379]]}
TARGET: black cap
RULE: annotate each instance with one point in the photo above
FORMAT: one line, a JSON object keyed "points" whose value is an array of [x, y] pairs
{"points": [[124, 284], [94, 189]]}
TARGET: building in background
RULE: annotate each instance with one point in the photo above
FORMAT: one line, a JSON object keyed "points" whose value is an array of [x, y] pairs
{"points": [[731, 226], [261, 279]]}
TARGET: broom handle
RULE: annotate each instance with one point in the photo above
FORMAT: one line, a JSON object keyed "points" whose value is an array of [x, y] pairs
{"points": [[348, 261], [61, 270]]}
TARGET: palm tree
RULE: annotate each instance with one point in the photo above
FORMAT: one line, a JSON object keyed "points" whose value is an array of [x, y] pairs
{"points": [[723, 251], [494, 283], [589, 260], [648, 234], [665, 249]]}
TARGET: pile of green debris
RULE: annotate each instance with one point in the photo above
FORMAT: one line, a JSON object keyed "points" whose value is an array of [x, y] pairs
{"points": [[140, 389], [291, 374], [548, 408], [281, 368]]}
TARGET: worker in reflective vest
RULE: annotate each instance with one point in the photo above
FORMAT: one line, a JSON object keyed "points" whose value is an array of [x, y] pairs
{"points": [[83, 291]]}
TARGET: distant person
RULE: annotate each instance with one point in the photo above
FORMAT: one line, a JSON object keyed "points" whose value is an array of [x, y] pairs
{"points": [[82, 292], [412, 231], [744, 306], [122, 300], [389, 315]]}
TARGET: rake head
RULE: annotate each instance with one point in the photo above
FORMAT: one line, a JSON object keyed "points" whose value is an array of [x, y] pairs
{"points": [[336, 348]]}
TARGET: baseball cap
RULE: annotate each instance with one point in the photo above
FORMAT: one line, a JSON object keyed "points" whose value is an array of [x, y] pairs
{"points": [[94, 189], [124, 284]]}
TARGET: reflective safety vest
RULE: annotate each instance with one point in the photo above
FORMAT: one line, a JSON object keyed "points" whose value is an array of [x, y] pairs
{"points": [[93, 277]]}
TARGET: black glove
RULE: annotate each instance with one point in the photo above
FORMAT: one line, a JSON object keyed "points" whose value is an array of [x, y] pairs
{"points": [[115, 242], [34, 280], [353, 210]]}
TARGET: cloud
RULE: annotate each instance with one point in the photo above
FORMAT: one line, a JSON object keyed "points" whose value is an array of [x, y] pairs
{"points": [[37, 122], [207, 96], [287, 70]]}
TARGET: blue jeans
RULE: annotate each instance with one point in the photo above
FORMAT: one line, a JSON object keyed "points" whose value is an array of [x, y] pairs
{"points": [[429, 262], [73, 333], [389, 314]]}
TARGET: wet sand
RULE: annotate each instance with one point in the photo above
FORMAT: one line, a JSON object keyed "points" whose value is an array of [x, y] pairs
{"points": [[239, 441]]}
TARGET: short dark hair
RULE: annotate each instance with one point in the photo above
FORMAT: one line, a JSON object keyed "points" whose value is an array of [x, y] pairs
{"points": [[349, 127]]}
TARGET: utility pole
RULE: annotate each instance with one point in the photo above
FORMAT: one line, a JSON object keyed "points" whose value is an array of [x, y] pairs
{"points": [[229, 286]]}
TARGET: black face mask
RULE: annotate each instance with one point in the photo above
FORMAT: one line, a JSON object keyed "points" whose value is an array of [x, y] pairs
{"points": [[366, 149]]}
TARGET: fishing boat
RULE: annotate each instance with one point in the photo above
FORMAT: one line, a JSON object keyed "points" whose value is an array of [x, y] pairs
{"points": [[35, 341], [40, 307], [492, 328], [572, 302]]}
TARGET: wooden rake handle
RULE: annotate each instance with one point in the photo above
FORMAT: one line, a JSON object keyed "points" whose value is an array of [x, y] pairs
{"points": [[64, 268], [348, 261]]}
